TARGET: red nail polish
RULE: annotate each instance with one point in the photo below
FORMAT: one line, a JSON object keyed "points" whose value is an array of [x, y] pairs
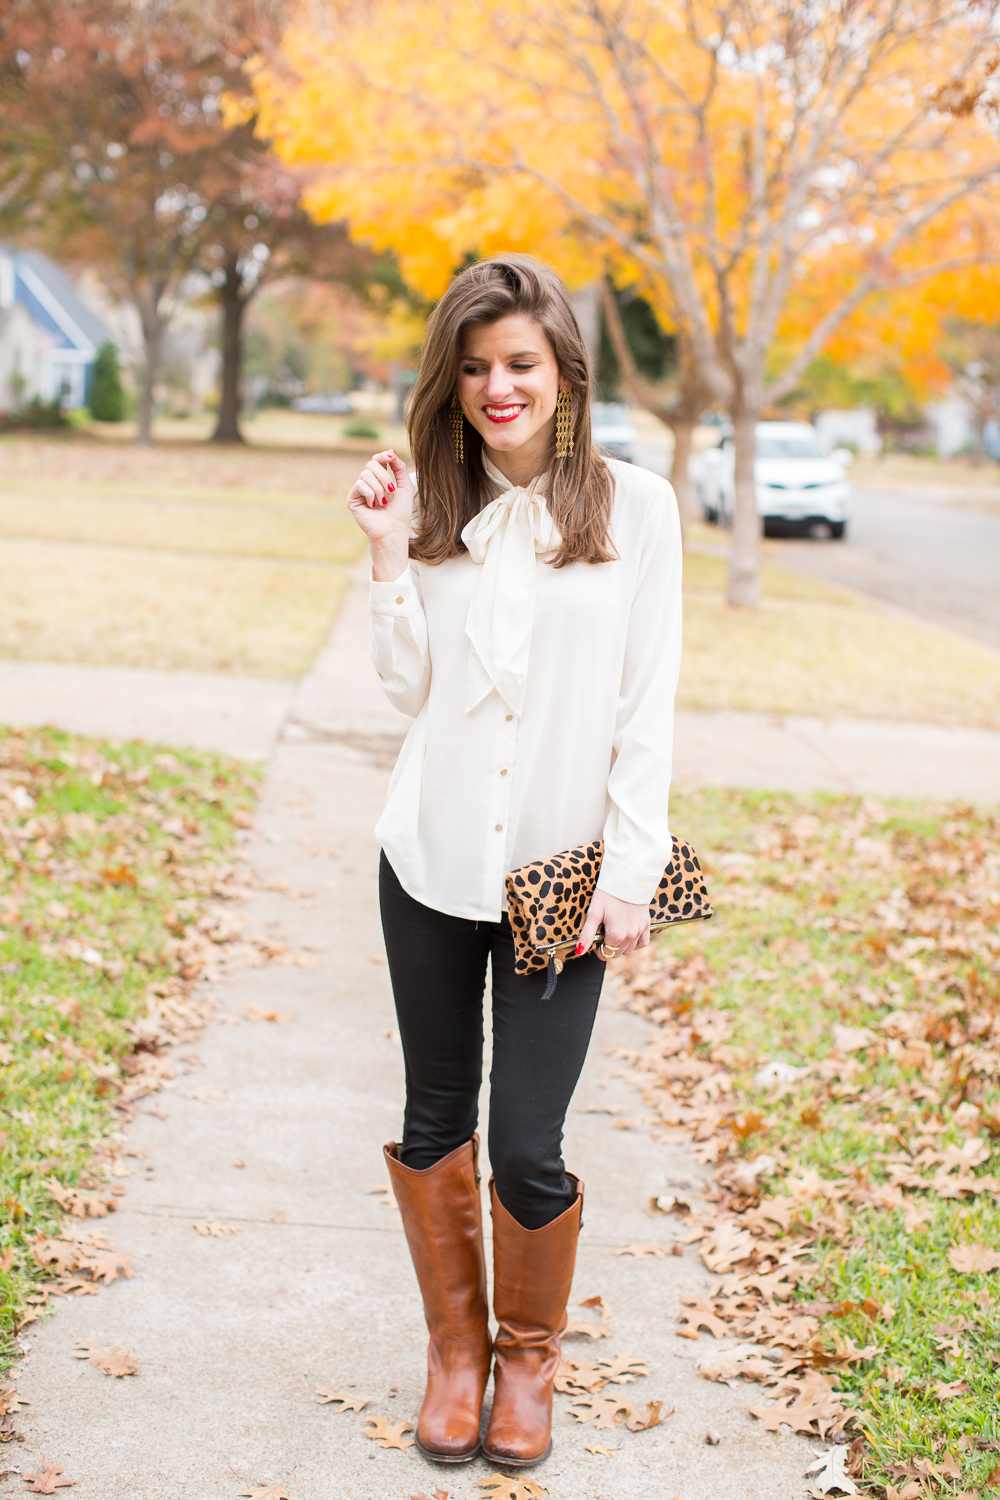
{"points": [[392, 487], [579, 949]]}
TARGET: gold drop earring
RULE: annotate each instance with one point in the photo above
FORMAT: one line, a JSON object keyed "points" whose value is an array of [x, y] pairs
{"points": [[457, 428], [564, 424]]}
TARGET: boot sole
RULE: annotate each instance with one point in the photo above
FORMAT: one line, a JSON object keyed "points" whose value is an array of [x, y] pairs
{"points": [[448, 1458], [506, 1462]]}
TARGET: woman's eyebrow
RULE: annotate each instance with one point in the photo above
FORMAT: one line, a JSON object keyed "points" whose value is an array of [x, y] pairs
{"points": [[522, 354]]}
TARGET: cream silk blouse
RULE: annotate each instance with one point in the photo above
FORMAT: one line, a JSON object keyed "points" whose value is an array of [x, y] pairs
{"points": [[543, 699]]}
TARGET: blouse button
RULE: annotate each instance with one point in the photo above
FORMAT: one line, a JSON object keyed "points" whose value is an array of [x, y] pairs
{"points": [[503, 773], [499, 828], [509, 717], [400, 599]]}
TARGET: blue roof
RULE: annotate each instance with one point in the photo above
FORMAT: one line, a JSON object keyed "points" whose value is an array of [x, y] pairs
{"points": [[47, 293]]}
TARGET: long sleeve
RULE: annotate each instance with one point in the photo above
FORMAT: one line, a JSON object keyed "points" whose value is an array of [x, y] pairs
{"points": [[637, 840], [398, 641]]}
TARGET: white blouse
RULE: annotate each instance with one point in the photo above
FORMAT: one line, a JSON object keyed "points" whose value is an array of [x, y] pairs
{"points": [[543, 699]]}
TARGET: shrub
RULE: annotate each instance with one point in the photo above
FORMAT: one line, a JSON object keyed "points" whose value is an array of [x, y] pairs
{"points": [[360, 427], [107, 397]]}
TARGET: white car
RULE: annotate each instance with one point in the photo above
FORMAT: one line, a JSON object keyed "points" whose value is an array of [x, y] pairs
{"points": [[801, 483], [613, 429]]}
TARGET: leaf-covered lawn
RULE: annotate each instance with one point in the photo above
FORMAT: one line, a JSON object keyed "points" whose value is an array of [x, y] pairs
{"points": [[831, 1043], [107, 856]]}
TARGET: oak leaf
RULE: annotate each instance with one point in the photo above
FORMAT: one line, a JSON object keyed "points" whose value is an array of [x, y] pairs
{"points": [[435, 1494], [499, 1487], [829, 1471], [636, 1422], [622, 1370], [973, 1258], [577, 1375], [114, 1359], [214, 1228], [49, 1480], [351, 1400], [206, 1094], [641, 1250], [107, 1264], [388, 1436], [583, 1328], [600, 1448], [947, 1390], [702, 1315], [605, 1411]]}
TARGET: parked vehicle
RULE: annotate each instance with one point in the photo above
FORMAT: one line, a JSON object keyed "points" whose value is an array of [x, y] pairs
{"points": [[800, 481], [324, 406], [613, 429]]}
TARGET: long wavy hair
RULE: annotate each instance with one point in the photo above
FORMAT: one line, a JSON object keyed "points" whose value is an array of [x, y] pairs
{"points": [[450, 494]]}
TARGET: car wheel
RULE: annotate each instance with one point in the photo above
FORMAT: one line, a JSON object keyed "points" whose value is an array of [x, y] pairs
{"points": [[838, 530], [710, 514]]}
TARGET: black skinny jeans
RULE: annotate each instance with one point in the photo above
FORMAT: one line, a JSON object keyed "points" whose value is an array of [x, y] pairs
{"points": [[437, 965]]}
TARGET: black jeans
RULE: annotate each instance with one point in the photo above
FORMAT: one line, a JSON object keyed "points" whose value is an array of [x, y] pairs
{"points": [[438, 968]]}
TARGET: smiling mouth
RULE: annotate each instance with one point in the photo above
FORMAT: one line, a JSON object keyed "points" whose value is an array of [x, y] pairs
{"points": [[503, 413]]}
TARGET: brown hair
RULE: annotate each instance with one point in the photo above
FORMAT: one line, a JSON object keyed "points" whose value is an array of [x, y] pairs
{"points": [[450, 494]]}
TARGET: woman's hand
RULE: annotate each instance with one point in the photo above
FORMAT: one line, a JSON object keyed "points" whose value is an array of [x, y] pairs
{"points": [[626, 926], [381, 502]]}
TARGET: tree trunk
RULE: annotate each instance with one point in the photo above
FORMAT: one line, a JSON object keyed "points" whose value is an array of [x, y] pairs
{"points": [[234, 302], [744, 551], [152, 336]]}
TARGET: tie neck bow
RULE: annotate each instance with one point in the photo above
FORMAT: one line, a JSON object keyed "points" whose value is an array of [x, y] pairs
{"points": [[504, 540]]}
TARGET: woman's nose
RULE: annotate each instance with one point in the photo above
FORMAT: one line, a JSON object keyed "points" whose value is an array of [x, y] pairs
{"points": [[498, 384]]}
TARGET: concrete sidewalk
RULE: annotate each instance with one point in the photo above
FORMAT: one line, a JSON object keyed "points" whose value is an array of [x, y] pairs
{"points": [[316, 1288], [340, 702]]}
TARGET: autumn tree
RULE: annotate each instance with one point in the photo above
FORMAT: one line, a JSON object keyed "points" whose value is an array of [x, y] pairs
{"points": [[768, 164], [120, 102]]}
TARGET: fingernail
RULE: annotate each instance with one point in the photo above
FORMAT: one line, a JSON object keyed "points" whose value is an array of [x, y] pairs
{"points": [[384, 500], [579, 949], [391, 487]]}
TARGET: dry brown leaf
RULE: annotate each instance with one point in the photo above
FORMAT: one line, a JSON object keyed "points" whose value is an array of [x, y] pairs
{"points": [[351, 1400], [49, 1480], [636, 1422], [10, 1401], [214, 1227], [277, 1017], [946, 1390], [623, 1369], [973, 1258], [829, 1471], [605, 1411], [575, 1376], [702, 1315], [600, 1448], [388, 1435], [207, 1094], [499, 1487], [434, 1495], [640, 1250], [113, 1360], [584, 1328], [267, 1492]]}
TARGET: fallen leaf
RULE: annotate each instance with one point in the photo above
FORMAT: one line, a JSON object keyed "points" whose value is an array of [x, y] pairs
{"points": [[113, 1360], [350, 1400], [257, 1013], [600, 1448], [702, 1315], [606, 1411], [268, 1492], [384, 1193], [48, 1481], [829, 1471], [655, 1414], [973, 1258], [574, 1376], [206, 1094], [388, 1436], [214, 1227], [622, 1370], [946, 1390], [498, 1487], [583, 1328], [434, 1495], [640, 1250]]}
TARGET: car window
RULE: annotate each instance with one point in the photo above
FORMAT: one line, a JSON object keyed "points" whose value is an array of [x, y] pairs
{"points": [[797, 446]]}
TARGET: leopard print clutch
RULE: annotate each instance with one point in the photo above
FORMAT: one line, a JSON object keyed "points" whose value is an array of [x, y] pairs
{"points": [[547, 903]]}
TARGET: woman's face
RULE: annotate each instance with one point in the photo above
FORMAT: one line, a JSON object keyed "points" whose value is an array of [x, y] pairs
{"points": [[508, 384]]}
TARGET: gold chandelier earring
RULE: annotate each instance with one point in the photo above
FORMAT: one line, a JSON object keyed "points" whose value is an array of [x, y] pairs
{"points": [[457, 428], [564, 424]]}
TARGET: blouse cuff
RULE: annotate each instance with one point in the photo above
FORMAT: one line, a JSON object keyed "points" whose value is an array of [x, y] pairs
{"points": [[397, 598], [627, 882]]}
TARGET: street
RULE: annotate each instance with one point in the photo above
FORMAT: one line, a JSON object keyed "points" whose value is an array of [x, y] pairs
{"points": [[936, 561]]}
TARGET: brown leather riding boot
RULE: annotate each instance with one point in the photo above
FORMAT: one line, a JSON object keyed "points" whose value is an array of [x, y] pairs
{"points": [[532, 1276], [442, 1215]]}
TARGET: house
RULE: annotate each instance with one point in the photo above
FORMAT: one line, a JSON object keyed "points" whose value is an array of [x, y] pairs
{"points": [[49, 338]]}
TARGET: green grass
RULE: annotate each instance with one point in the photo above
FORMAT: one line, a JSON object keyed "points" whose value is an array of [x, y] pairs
{"points": [[845, 912], [105, 849]]}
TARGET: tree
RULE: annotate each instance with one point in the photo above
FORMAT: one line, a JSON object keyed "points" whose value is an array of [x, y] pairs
{"points": [[107, 398], [145, 176], [769, 164]]}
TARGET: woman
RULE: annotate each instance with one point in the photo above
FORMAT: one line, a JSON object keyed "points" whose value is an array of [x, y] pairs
{"points": [[525, 608]]}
